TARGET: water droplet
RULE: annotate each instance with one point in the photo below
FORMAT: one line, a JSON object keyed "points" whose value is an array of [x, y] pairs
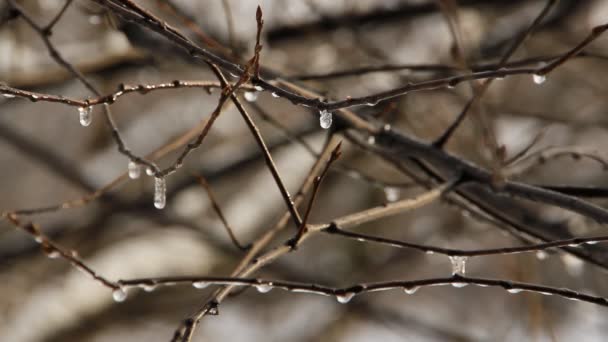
{"points": [[85, 116], [574, 245], [541, 255], [134, 170], [160, 192], [34, 98], [371, 140], [325, 119], [539, 79], [38, 239], [546, 293], [387, 127], [458, 264], [8, 96], [200, 284], [149, 171], [258, 88], [275, 94], [53, 254], [148, 287], [119, 295], [345, 297], [391, 193], [429, 252], [592, 242], [514, 290], [411, 290], [263, 288], [459, 285], [250, 96], [213, 311]]}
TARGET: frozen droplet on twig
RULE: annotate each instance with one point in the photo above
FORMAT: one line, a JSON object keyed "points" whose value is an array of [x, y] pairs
{"points": [[258, 88], [149, 287], [514, 290], [200, 284], [250, 96], [411, 290], [160, 192], [263, 288], [591, 242], [458, 264], [119, 295], [539, 79], [134, 170], [371, 140], [541, 255], [391, 193], [275, 94], [149, 171], [325, 119], [459, 284], [85, 115], [8, 96], [344, 298]]}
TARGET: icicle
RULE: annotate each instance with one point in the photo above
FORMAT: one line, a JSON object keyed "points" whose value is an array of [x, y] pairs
{"points": [[325, 119], [345, 297], [263, 288], [391, 193], [85, 115], [458, 264], [134, 170], [200, 284], [539, 79], [411, 290], [119, 295], [160, 192], [250, 96]]}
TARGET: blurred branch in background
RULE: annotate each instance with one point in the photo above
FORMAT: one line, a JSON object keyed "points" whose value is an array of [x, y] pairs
{"points": [[223, 123]]}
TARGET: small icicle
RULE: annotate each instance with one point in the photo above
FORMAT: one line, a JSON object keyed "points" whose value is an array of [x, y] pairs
{"points": [[345, 297], [275, 94], [149, 171], [391, 193], [8, 96], [592, 242], [411, 290], [200, 284], [250, 96], [325, 119], [160, 192], [85, 116], [539, 79], [134, 170], [514, 290], [119, 295], [263, 288], [541, 255], [458, 264]]}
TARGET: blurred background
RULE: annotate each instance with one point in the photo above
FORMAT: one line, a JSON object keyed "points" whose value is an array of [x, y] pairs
{"points": [[47, 158]]}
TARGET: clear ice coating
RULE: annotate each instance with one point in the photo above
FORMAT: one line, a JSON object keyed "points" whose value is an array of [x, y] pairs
{"points": [[134, 170], [160, 192], [263, 288], [411, 290], [250, 96], [539, 79], [119, 295], [458, 264], [391, 193], [325, 119], [345, 297], [200, 284], [85, 116]]}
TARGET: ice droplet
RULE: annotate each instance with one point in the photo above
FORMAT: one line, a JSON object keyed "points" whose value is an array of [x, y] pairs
{"points": [[345, 297], [149, 171], [391, 193], [134, 170], [53, 254], [160, 192], [458, 264], [200, 284], [275, 94], [591, 242], [539, 79], [541, 255], [148, 287], [411, 290], [514, 290], [325, 119], [258, 88], [459, 285], [85, 116], [8, 96], [250, 96], [371, 140], [263, 288], [119, 295]]}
